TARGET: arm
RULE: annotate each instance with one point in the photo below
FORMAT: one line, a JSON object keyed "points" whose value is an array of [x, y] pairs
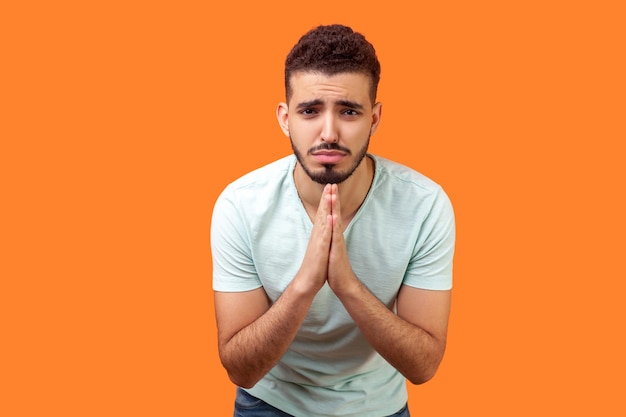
{"points": [[253, 334], [414, 340]]}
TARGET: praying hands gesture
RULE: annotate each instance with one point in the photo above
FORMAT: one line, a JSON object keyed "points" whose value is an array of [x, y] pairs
{"points": [[326, 257]]}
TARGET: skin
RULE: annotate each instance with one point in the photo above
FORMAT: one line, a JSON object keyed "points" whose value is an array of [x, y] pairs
{"points": [[253, 334]]}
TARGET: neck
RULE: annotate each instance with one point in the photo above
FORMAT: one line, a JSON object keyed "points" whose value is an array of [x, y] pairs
{"points": [[352, 192]]}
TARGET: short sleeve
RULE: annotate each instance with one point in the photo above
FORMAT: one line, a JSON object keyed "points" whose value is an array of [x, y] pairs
{"points": [[430, 266], [233, 266]]}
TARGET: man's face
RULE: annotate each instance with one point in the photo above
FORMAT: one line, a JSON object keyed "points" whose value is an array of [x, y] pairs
{"points": [[329, 120]]}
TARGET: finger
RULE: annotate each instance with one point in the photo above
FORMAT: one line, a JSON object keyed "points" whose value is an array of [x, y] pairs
{"points": [[324, 207], [328, 229], [335, 203], [337, 229], [324, 218], [336, 207]]}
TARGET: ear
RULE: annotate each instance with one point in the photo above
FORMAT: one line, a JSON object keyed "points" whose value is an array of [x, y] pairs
{"points": [[377, 112], [282, 114]]}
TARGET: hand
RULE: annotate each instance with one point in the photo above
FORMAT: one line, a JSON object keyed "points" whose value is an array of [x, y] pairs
{"points": [[314, 268], [340, 274]]}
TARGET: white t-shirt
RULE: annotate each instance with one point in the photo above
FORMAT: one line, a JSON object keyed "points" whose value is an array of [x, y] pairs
{"points": [[403, 233]]}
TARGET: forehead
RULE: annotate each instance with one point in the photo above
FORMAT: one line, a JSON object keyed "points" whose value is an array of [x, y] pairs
{"points": [[305, 86]]}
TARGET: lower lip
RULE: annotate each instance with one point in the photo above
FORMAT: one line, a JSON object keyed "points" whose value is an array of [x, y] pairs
{"points": [[329, 159]]}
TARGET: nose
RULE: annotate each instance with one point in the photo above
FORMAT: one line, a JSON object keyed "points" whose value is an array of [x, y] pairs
{"points": [[330, 133]]}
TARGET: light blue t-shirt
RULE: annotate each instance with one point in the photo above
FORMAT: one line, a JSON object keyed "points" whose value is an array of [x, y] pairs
{"points": [[403, 233]]}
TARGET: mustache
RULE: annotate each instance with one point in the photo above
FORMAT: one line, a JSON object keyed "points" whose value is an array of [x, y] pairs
{"points": [[324, 146]]}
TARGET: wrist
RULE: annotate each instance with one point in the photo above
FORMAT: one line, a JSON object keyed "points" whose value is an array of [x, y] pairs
{"points": [[304, 286], [348, 287]]}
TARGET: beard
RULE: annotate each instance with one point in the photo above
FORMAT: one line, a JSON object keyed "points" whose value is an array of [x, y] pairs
{"points": [[329, 174]]}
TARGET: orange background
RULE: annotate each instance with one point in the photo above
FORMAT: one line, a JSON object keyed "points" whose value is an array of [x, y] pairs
{"points": [[122, 121]]}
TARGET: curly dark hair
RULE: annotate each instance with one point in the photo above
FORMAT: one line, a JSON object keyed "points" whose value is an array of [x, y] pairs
{"points": [[331, 50]]}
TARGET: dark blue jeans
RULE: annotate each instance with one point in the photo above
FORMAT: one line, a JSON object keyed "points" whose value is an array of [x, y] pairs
{"points": [[247, 405]]}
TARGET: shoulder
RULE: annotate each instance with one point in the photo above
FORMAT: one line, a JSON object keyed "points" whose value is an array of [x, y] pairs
{"points": [[401, 178], [271, 173], [266, 189], [261, 181], [404, 191]]}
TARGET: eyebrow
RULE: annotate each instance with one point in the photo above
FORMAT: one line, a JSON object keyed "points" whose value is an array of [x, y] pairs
{"points": [[317, 102], [306, 104], [351, 104]]}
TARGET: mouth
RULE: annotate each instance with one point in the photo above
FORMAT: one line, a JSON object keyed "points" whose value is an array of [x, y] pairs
{"points": [[328, 157]]}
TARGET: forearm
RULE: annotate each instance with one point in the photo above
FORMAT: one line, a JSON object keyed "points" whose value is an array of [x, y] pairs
{"points": [[413, 351], [252, 351]]}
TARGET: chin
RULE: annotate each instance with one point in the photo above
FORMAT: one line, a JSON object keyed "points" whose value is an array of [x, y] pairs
{"points": [[328, 175]]}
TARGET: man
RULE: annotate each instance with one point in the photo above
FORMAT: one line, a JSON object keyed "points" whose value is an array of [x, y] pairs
{"points": [[332, 266]]}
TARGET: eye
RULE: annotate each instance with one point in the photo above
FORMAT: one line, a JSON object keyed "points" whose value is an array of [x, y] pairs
{"points": [[308, 112], [350, 112]]}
